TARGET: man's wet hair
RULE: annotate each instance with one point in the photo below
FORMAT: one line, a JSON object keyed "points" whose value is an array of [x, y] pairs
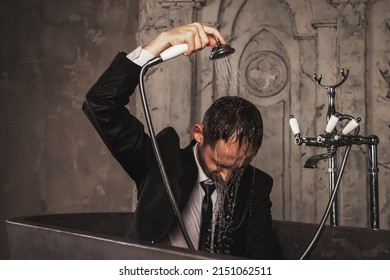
{"points": [[233, 116]]}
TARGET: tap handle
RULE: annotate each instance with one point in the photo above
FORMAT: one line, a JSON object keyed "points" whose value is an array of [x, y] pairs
{"points": [[351, 125], [334, 119], [294, 125]]}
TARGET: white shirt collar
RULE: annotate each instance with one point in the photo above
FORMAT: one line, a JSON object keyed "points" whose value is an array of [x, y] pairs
{"points": [[201, 175]]}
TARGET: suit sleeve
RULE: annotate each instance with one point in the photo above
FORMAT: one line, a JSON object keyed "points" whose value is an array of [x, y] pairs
{"points": [[105, 106]]}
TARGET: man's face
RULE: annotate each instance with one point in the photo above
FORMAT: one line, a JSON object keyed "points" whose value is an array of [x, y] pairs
{"points": [[225, 160]]}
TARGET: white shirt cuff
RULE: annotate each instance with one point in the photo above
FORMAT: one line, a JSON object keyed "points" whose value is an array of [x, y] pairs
{"points": [[140, 56]]}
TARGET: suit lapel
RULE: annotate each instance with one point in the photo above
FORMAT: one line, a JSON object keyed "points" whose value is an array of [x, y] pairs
{"points": [[191, 172], [180, 165], [244, 195]]}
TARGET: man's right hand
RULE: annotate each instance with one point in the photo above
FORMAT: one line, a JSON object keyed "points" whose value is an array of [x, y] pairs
{"points": [[195, 35]]}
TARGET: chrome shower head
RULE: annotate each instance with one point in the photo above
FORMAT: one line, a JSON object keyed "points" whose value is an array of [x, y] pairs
{"points": [[220, 51]]}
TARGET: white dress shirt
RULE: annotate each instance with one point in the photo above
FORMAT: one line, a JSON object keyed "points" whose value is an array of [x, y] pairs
{"points": [[192, 212], [140, 56]]}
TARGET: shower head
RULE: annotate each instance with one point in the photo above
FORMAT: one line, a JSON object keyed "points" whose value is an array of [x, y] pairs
{"points": [[220, 51]]}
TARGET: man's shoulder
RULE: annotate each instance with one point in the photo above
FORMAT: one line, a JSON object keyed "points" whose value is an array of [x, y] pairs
{"points": [[262, 181], [169, 142], [262, 175], [168, 134]]}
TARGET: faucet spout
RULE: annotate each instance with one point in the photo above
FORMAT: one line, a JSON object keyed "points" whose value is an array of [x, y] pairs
{"points": [[312, 161]]}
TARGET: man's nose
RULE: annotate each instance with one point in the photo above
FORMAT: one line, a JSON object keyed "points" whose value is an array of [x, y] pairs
{"points": [[225, 174]]}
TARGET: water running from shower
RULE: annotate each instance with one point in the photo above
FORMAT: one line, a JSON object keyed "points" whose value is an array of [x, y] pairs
{"points": [[228, 78], [227, 82]]}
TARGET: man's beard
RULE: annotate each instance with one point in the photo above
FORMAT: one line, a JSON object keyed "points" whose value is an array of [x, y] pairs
{"points": [[215, 176]]}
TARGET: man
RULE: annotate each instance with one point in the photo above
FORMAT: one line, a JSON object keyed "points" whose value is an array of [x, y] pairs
{"points": [[230, 135]]}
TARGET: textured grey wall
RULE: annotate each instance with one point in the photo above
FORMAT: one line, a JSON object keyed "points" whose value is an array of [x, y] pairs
{"points": [[51, 52]]}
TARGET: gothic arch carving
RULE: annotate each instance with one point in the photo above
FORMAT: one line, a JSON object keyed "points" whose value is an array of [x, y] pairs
{"points": [[265, 69]]}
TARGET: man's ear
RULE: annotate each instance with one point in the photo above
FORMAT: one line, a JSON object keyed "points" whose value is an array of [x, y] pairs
{"points": [[197, 131]]}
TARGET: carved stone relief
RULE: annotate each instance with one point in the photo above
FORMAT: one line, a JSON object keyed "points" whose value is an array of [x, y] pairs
{"points": [[266, 74], [264, 66]]}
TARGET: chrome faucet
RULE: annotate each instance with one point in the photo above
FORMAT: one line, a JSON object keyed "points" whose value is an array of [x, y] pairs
{"points": [[332, 140]]}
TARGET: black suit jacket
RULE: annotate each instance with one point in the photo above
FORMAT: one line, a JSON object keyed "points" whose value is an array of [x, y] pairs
{"points": [[125, 137]]}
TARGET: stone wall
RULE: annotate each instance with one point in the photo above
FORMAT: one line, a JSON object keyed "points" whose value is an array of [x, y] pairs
{"points": [[52, 160]]}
